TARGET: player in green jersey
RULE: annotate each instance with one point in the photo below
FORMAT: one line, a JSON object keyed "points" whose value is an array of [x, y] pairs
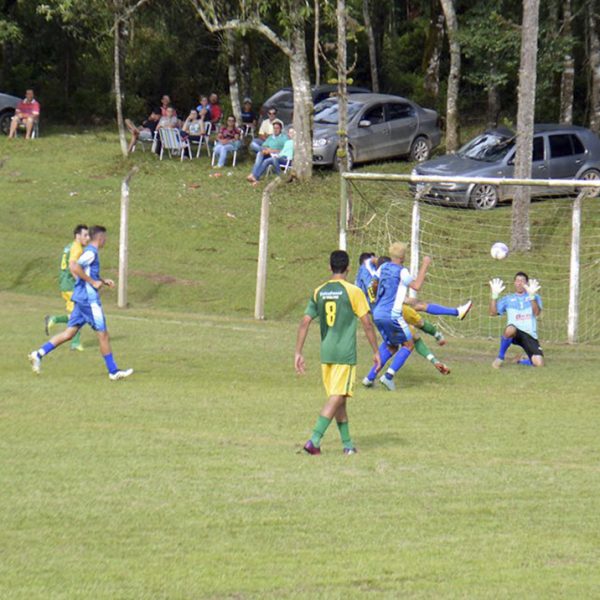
{"points": [[338, 305], [66, 281]]}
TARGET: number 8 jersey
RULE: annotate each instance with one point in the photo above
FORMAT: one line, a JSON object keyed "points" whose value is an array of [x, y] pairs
{"points": [[338, 304]]}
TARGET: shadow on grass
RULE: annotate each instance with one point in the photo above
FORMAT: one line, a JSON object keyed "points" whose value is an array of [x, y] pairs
{"points": [[382, 440]]}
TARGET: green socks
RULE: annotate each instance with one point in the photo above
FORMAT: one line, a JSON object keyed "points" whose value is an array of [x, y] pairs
{"points": [[345, 435], [76, 341], [431, 329], [60, 319], [423, 350], [319, 430]]}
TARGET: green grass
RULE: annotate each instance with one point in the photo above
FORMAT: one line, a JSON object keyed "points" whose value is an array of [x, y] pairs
{"points": [[185, 481]]}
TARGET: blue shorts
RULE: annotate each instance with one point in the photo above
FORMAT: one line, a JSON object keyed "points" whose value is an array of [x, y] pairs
{"points": [[88, 314], [394, 331]]}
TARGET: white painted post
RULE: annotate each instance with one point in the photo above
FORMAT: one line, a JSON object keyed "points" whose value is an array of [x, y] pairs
{"points": [[263, 248], [343, 242], [124, 240], [415, 243], [573, 314]]}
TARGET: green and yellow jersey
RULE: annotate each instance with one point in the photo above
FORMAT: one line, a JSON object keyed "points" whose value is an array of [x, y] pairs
{"points": [[338, 304], [71, 252]]}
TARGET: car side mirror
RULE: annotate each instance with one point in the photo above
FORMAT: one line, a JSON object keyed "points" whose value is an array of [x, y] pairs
{"points": [[364, 123]]}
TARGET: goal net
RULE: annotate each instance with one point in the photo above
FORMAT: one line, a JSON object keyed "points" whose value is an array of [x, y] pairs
{"points": [[459, 241]]}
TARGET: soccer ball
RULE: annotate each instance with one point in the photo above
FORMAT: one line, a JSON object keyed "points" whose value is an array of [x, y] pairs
{"points": [[499, 250]]}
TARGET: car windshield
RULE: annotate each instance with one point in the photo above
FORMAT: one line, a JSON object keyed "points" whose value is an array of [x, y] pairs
{"points": [[489, 147], [329, 113]]}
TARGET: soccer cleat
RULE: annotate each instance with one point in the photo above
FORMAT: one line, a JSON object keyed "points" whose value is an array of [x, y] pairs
{"points": [[120, 374], [348, 451], [442, 368], [367, 382], [48, 323], [464, 309], [36, 362], [78, 347], [387, 383], [310, 448], [498, 362]]}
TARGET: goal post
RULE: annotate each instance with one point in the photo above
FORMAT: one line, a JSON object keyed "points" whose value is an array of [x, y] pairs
{"points": [[391, 212]]}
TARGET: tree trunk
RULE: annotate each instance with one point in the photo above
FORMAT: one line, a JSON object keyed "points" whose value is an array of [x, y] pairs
{"points": [[452, 120], [433, 51], [234, 89], [567, 80], [245, 67], [316, 43], [372, 49], [342, 91], [594, 58], [117, 84], [520, 238], [493, 106], [303, 104]]}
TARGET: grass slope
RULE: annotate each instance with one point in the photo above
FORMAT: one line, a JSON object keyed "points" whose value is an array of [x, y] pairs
{"points": [[185, 481]]}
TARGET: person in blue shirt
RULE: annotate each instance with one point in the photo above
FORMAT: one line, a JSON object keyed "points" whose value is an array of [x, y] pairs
{"points": [[367, 268], [88, 307], [521, 309]]}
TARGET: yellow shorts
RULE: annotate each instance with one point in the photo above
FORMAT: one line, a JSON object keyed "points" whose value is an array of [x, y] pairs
{"points": [[68, 302], [410, 315], [338, 379]]}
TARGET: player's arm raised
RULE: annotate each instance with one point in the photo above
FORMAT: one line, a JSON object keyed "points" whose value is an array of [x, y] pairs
{"points": [[299, 363], [496, 288], [532, 287], [419, 280]]}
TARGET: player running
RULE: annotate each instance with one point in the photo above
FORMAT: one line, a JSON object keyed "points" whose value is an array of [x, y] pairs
{"points": [[522, 309], [88, 308], [66, 281], [338, 304]]}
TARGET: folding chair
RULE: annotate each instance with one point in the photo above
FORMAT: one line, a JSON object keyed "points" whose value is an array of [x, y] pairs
{"points": [[249, 130], [143, 141], [204, 139], [170, 140], [35, 131], [212, 162], [282, 168]]}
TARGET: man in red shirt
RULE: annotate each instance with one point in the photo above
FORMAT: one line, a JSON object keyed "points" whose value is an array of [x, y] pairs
{"points": [[215, 109], [27, 113]]}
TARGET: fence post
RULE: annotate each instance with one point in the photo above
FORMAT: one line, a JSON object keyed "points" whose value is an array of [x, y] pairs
{"points": [[573, 314], [124, 239], [343, 242]]}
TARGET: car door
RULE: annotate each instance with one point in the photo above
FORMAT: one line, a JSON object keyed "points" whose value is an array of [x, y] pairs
{"points": [[566, 155], [403, 122], [539, 168], [373, 140]]}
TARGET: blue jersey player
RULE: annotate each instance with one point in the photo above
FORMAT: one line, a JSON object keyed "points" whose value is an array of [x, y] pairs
{"points": [[521, 309], [366, 271], [88, 307]]}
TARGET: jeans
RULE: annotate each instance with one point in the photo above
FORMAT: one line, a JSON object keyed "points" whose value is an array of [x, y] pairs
{"points": [[222, 150], [256, 145], [274, 161]]}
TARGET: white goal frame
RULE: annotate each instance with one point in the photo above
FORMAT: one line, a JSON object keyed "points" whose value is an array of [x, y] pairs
{"points": [[573, 310]]}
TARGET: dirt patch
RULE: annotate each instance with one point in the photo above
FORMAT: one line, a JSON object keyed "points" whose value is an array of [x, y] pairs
{"points": [[163, 279]]}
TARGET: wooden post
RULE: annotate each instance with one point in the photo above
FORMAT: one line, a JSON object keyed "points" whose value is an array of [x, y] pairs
{"points": [[124, 239], [343, 212], [573, 314], [263, 249]]}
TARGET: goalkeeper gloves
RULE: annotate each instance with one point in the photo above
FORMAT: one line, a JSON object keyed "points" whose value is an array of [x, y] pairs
{"points": [[497, 287], [532, 287]]}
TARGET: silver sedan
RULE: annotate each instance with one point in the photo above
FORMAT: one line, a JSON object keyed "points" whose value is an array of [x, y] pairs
{"points": [[379, 126]]}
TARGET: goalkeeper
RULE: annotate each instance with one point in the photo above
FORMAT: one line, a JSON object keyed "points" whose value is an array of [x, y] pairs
{"points": [[522, 309]]}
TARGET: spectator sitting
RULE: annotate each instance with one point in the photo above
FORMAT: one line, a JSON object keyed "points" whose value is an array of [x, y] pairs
{"points": [[272, 145], [165, 104], [145, 133], [169, 121], [275, 160], [193, 127], [266, 129], [203, 109], [228, 140], [248, 115], [215, 110], [26, 113]]}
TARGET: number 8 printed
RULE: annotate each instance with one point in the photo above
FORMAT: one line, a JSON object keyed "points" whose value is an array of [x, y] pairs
{"points": [[330, 310]]}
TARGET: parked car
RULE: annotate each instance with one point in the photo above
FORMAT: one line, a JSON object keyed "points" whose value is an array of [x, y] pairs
{"points": [[8, 104], [559, 152], [379, 126], [283, 100]]}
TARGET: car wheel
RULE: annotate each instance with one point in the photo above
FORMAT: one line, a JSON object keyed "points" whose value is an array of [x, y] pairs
{"points": [[591, 175], [5, 122], [337, 161], [420, 149], [483, 197]]}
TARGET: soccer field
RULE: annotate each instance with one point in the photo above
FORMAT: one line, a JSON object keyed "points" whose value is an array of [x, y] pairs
{"points": [[186, 480]]}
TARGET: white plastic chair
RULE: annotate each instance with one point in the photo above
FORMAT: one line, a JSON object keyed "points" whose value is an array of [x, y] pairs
{"points": [[172, 142], [249, 130], [204, 139], [35, 130], [212, 162]]}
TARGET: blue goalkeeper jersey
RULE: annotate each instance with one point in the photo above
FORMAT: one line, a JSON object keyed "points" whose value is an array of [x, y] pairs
{"points": [[365, 275], [84, 293], [519, 313]]}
